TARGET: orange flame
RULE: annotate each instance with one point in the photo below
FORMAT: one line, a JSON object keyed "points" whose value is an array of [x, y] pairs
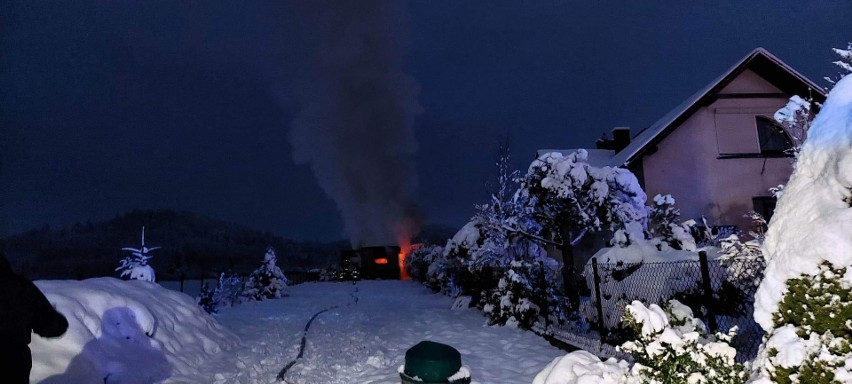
{"points": [[404, 249]]}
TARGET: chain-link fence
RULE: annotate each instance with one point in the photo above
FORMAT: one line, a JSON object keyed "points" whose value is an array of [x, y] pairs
{"points": [[720, 292]]}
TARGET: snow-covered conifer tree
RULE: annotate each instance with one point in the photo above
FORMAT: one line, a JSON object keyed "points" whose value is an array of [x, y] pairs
{"points": [[266, 282], [136, 265], [805, 301]]}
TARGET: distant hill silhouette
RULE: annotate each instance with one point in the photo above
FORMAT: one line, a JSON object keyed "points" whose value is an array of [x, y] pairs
{"points": [[191, 244]]}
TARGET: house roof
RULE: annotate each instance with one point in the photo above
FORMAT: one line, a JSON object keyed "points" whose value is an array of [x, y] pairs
{"points": [[760, 61]]}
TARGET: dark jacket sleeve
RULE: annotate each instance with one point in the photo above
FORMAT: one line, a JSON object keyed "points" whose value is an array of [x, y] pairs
{"points": [[47, 322]]}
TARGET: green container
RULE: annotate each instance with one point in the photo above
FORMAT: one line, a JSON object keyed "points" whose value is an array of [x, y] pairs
{"points": [[431, 363]]}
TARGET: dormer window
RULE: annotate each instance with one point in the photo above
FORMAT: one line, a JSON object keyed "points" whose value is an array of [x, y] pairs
{"points": [[773, 140]]}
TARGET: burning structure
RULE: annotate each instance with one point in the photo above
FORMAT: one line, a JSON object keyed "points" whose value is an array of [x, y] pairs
{"points": [[382, 262]]}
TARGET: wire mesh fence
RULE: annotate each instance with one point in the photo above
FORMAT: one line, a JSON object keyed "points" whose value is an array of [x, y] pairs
{"points": [[720, 292]]}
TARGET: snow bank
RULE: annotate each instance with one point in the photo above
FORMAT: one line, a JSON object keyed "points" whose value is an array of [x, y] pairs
{"points": [[812, 222], [126, 332]]}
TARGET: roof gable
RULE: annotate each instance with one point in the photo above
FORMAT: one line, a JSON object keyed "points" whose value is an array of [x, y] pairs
{"points": [[760, 62]]}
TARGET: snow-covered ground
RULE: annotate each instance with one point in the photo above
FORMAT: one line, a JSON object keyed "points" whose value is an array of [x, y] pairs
{"points": [[127, 332], [139, 332], [366, 342]]}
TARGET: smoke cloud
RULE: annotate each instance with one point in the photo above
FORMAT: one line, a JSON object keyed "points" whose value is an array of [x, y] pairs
{"points": [[355, 128]]}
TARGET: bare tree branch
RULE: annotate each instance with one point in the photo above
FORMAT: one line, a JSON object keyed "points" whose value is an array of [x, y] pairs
{"points": [[531, 236]]}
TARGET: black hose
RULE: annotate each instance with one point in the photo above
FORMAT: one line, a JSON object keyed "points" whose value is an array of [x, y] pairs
{"points": [[289, 365]]}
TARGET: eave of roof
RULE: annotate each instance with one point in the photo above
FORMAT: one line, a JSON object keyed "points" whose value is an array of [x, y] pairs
{"points": [[758, 58]]}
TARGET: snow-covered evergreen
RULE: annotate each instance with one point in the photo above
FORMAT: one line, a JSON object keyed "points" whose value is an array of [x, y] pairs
{"points": [[805, 301], [266, 282], [136, 265], [526, 296]]}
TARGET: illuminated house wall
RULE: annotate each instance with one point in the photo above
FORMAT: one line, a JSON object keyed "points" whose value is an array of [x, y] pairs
{"points": [[711, 164], [706, 153]]}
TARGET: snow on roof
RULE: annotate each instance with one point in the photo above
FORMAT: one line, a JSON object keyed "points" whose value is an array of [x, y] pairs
{"points": [[646, 136], [597, 157]]}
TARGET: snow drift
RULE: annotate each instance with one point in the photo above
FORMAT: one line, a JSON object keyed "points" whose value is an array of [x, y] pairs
{"points": [[126, 332]]}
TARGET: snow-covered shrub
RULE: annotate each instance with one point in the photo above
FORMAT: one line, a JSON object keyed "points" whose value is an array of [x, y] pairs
{"points": [[420, 259], [227, 293], [814, 341], [469, 263], [673, 348], [266, 282], [136, 266], [206, 299], [664, 228], [526, 297], [803, 303]]}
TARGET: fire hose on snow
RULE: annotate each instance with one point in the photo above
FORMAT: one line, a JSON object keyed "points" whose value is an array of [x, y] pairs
{"points": [[289, 365]]}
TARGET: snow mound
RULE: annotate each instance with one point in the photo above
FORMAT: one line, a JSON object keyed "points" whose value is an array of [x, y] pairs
{"points": [[126, 332], [812, 222], [582, 367]]}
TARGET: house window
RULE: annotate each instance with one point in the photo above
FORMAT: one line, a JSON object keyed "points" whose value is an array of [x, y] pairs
{"points": [[773, 140], [764, 205]]}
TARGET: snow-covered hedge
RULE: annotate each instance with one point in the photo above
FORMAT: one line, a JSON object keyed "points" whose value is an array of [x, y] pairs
{"points": [[804, 302], [126, 332]]}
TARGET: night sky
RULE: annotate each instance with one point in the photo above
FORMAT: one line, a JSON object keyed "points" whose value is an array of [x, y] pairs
{"points": [[110, 105]]}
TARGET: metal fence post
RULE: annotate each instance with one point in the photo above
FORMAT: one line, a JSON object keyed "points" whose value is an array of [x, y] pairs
{"points": [[708, 291], [598, 304]]}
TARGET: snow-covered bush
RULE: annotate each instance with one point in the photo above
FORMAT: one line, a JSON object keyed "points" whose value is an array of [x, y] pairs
{"points": [[136, 266], [227, 293], [469, 263], [671, 348], [266, 282], [420, 259], [804, 302], [526, 296]]}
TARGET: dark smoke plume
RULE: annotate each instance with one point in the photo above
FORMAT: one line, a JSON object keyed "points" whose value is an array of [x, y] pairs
{"points": [[356, 124]]}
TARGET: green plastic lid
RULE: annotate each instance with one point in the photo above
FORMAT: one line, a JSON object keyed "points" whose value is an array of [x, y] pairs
{"points": [[432, 362]]}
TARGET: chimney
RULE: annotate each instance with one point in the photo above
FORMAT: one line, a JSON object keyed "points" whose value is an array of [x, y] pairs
{"points": [[620, 139]]}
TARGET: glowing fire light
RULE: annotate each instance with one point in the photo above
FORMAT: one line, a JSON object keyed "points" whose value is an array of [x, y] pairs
{"points": [[381, 261], [404, 249]]}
